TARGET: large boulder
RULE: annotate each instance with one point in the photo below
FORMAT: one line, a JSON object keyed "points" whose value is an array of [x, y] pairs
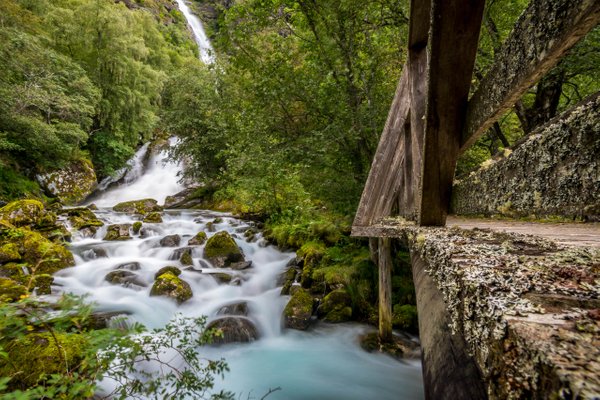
{"points": [[118, 232], [298, 311], [27, 213], [222, 251], [170, 241], [233, 330], [143, 206], [171, 286], [72, 184], [336, 307]]}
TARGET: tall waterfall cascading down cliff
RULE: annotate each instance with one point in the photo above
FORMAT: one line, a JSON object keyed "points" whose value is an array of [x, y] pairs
{"points": [[206, 50], [325, 362]]}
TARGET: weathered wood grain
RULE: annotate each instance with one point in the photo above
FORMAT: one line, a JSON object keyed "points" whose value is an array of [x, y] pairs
{"points": [[541, 36], [385, 290]]}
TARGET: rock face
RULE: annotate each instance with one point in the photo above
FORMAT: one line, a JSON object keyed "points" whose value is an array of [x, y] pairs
{"points": [[553, 173], [222, 251], [298, 310], [26, 213], [118, 232], [71, 184], [170, 285], [141, 207], [234, 330], [336, 307]]}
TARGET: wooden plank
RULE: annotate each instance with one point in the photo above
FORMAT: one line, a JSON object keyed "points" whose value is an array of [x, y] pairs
{"points": [[453, 43], [374, 202], [385, 290], [541, 36]]}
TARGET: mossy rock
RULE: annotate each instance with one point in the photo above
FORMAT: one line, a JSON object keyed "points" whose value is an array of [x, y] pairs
{"points": [[11, 290], [399, 347], [34, 357], [336, 307], [124, 278], [170, 269], [222, 251], [143, 206], [9, 252], [118, 232], [71, 184], [312, 253], [198, 240], [153, 218], [287, 279], [82, 217], [60, 234], [43, 284], [298, 310], [169, 285], [404, 316], [23, 212], [233, 330], [221, 277], [186, 258], [137, 225]]}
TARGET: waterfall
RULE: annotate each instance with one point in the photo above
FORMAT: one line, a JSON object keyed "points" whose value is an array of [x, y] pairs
{"points": [[204, 46]]}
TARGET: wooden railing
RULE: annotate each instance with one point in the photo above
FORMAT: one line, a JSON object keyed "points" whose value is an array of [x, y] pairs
{"points": [[432, 121]]}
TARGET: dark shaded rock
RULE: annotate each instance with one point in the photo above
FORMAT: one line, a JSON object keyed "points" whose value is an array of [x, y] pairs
{"points": [[400, 347], [221, 277], [170, 269], [234, 330], [137, 225], [222, 251], [170, 241], [94, 253], [118, 232], [186, 258], [43, 283], [142, 207], [240, 308], [198, 240], [298, 311], [241, 265], [132, 266], [153, 218], [146, 232], [286, 279], [124, 278], [104, 319], [171, 286], [336, 307], [81, 218], [217, 220]]}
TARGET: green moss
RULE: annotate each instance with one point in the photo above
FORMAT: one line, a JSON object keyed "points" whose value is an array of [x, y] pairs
{"points": [[9, 252], [298, 310], [22, 212], [221, 245], [118, 232], [143, 206], [170, 285], [137, 225], [312, 253], [186, 258], [405, 317], [43, 283], [336, 306], [35, 356], [168, 269], [153, 217], [198, 240], [83, 218], [11, 290]]}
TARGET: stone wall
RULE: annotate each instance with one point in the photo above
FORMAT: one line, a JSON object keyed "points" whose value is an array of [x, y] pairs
{"points": [[555, 172]]}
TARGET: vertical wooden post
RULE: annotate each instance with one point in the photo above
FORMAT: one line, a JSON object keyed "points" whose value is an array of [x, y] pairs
{"points": [[385, 290]]}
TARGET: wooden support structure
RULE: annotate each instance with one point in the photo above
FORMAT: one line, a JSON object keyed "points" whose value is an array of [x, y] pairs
{"points": [[385, 290], [541, 36]]}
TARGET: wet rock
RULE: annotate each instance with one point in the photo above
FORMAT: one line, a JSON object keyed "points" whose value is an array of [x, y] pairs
{"points": [[88, 232], [400, 347], [118, 232], [240, 308], [221, 277], [186, 258], [142, 207], [169, 285], [336, 307], [210, 226], [72, 184], [250, 234], [104, 319], [222, 251], [137, 225], [240, 265], [286, 279], [24, 213], [183, 199], [234, 330], [9, 252], [146, 232], [170, 241], [92, 254], [198, 240], [132, 266], [168, 269], [153, 218], [124, 278], [217, 220], [298, 311], [81, 218], [43, 284]]}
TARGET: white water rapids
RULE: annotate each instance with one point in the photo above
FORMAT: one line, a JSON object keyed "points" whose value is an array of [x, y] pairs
{"points": [[206, 50]]}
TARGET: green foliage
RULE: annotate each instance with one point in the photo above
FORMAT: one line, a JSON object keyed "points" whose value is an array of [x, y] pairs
{"points": [[54, 356]]}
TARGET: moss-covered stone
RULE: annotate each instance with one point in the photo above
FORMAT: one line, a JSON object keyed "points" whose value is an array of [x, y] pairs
{"points": [[137, 225], [11, 290], [404, 316], [118, 232], [82, 217], [9, 252], [198, 240], [153, 218], [143, 206], [124, 278], [311, 253], [23, 212], [169, 285], [35, 356], [170, 269], [399, 347], [222, 251], [72, 184], [298, 310], [336, 307], [233, 330], [43, 283], [186, 258]]}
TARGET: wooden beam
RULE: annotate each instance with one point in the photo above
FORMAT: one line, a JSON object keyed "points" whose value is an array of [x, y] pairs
{"points": [[454, 35], [377, 199], [541, 36], [385, 290]]}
